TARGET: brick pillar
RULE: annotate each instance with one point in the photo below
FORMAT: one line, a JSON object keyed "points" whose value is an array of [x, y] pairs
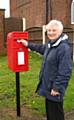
{"points": [[2, 49]]}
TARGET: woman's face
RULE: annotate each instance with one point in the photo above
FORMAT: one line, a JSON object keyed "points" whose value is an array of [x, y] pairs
{"points": [[53, 32]]}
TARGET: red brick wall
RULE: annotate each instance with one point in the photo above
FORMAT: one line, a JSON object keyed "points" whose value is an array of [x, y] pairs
{"points": [[32, 10], [35, 11]]}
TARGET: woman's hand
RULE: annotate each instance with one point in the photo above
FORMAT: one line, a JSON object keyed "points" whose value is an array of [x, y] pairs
{"points": [[54, 93], [24, 42]]}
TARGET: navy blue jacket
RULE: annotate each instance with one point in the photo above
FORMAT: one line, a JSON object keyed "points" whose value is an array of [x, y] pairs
{"points": [[56, 67]]}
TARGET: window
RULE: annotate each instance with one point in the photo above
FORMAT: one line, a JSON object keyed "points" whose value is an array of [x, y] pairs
{"points": [[72, 12]]}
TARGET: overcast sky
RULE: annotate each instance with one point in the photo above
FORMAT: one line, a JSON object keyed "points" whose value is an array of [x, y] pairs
{"points": [[5, 5]]}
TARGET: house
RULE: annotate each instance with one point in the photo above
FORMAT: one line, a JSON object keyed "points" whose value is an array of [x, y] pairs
{"points": [[38, 13]]}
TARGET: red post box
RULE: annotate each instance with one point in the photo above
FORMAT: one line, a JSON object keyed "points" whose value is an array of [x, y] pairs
{"points": [[17, 52]]}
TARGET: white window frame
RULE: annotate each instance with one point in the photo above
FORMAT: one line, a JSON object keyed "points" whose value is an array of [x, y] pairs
{"points": [[72, 12]]}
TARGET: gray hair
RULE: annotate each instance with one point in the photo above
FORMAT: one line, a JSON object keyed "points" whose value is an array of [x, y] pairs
{"points": [[55, 23]]}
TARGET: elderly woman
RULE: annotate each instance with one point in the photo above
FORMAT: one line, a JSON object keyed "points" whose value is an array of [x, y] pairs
{"points": [[56, 69]]}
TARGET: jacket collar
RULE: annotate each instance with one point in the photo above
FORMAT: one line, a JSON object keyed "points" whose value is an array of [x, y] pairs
{"points": [[61, 38]]}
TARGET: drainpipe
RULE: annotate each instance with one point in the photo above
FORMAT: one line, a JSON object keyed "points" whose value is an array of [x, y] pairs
{"points": [[50, 9], [46, 11], [46, 22]]}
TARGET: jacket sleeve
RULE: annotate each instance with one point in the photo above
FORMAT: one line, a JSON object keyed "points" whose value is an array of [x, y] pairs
{"points": [[37, 47], [64, 68]]}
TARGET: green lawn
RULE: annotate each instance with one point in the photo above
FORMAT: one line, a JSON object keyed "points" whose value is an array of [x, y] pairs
{"points": [[28, 83]]}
